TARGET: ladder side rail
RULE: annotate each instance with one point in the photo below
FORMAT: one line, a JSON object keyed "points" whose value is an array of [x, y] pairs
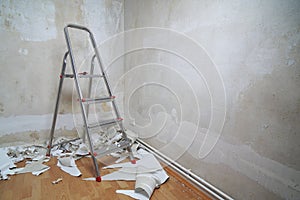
{"points": [[104, 77], [93, 41], [68, 40], [89, 91], [117, 113], [90, 83], [57, 103], [107, 83]]}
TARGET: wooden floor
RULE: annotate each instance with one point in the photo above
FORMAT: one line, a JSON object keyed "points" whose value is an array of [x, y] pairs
{"points": [[28, 186]]}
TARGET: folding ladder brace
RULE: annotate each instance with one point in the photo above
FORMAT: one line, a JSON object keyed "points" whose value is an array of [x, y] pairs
{"points": [[125, 142]]}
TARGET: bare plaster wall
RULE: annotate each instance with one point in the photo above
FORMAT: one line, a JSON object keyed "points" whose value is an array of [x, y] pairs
{"points": [[31, 52], [221, 95], [177, 105]]}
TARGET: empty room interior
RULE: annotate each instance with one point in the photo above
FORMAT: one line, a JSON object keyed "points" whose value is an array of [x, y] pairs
{"points": [[150, 99]]}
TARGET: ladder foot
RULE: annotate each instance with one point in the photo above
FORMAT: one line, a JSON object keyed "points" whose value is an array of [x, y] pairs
{"points": [[98, 178], [95, 154], [133, 161]]}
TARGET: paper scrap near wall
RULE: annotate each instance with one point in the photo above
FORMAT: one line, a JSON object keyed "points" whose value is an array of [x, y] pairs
{"points": [[147, 172], [145, 184]]}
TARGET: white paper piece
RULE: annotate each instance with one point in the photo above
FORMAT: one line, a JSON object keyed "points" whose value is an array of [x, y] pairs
{"points": [[15, 154], [67, 161], [39, 157], [120, 176], [135, 153], [123, 157], [161, 176], [132, 194], [56, 152], [5, 171], [129, 174], [145, 184], [37, 173], [120, 165], [46, 159], [14, 171], [142, 152], [67, 164], [120, 156], [64, 145], [19, 153], [89, 179], [114, 139], [147, 172], [5, 164], [36, 168], [82, 150], [76, 142], [4, 176], [149, 163], [115, 155]]}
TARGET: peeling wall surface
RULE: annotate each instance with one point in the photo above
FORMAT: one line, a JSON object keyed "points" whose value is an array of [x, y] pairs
{"points": [[31, 53], [217, 87]]}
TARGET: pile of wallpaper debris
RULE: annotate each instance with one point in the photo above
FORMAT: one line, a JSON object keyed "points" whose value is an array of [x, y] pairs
{"points": [[147, 172], [34, 156]]}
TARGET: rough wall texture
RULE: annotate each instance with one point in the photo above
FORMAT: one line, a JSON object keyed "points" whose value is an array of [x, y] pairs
{"points": [[255, 45], [173, 83], [32, 48]]}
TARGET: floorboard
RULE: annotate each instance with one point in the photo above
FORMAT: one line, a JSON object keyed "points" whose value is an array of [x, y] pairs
{"points": [[28, 186]]}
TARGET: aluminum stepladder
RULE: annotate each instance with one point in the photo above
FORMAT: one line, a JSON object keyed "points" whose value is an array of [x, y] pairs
{"points": [[125, 142]]}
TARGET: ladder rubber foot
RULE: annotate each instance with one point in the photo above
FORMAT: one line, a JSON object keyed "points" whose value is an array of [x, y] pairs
{"points": [[98, 178], [95, 154], [133, 161]]}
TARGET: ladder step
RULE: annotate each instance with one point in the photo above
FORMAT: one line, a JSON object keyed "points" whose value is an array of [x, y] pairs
{"points": [[87, 75], [105, 122], [83, 75], [98, 100], [67, 76]]}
